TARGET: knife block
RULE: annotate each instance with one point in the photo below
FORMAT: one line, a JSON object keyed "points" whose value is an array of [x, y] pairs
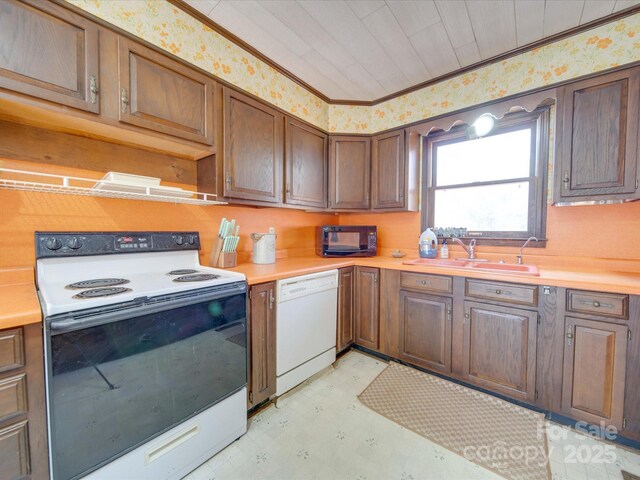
{"points": [[227, 260]]}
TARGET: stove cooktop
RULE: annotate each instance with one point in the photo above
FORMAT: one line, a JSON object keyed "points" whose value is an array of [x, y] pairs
{"points": [[122, 267]]}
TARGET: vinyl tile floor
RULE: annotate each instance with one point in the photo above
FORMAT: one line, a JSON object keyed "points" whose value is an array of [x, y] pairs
{"points": [[320, 430]]}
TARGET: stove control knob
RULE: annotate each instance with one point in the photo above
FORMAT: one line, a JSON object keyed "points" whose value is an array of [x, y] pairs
{"points": [[53, 244], [179, 239], [191, 239], [74, 243]]}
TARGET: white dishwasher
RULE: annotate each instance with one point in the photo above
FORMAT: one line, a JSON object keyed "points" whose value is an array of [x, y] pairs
{"points": [[305, 327]]}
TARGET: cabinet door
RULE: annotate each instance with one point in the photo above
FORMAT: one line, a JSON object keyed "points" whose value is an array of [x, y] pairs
{"points": [[594, 370], [50, 53], [262, 338], [305, 165], [253, 144], [161, 94], [388, 168], [425, 330], [598, 138], [500, 349], [346, 318], [349, 172], [367, 307]]}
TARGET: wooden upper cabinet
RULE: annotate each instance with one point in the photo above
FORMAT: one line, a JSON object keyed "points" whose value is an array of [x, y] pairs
{"points": [[425, 330], [597, 141], [305, 165], [49, 53], [395, 171], [594, 371], [367, 307], [253, 149], [262, 343], [349, 172], [500, 349], [160, 94]]}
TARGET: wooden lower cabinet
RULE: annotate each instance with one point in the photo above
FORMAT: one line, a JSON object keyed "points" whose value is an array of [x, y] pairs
{"points": [[346, 318], [425, 330], [262, 343], [23, 429], [500, 349], [594, 371], [367, 307]]}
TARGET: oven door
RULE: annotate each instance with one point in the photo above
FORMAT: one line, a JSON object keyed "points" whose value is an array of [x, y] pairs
{"points": [[118, 378]]}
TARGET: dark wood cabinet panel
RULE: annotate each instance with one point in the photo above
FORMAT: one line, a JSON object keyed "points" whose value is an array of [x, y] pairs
{"points": [[262, 343], [597, 141], [23, 429], [500, 349], [349, 172], [367, 307], [594, 371], [253, 149], [49, 53], [11, 349], [631, 422], [306, 165], [160, 94], [425, 330], [346, 318], [388, 171]]}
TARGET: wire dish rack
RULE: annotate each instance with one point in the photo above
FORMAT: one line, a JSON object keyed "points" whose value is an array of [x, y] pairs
{"points": [[48, 183]]}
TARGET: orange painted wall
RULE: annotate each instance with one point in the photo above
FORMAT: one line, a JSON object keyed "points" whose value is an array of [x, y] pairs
{"points": [[22, 213], [594, 231]]}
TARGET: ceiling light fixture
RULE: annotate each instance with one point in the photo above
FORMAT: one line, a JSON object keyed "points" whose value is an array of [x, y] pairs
{"points": [[484, 124]]}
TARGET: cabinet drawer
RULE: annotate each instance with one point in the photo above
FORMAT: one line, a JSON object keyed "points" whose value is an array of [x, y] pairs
{"points": [[502, 292], [14, 451], [13, 397], [427, 283], [11, 349], [594, 303]]}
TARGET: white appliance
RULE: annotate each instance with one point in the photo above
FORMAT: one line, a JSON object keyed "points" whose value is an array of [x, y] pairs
{"points": [[264, 247], [145, 354], [306, 327]]}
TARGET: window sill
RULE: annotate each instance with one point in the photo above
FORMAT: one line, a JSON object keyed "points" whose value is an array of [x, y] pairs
{"points": [[498, 242]]}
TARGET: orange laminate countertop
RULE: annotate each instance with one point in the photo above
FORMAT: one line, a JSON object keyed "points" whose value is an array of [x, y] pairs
{"points": [[570, 277], [19, 303]]}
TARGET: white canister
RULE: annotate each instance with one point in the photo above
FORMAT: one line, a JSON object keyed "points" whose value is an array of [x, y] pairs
{"points": [[264, 247]]}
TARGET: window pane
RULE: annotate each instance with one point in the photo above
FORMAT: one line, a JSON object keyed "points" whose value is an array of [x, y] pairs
{"points": [[498, 157], [501, 208]]}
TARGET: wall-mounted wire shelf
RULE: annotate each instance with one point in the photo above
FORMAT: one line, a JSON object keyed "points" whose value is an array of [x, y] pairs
{"points": [[49, 183]]}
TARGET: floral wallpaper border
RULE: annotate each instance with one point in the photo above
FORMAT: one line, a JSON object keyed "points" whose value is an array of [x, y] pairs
{"points": [[162, 24]]}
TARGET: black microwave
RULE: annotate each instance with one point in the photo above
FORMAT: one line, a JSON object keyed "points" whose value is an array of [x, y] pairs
{"points": [[346, 241]]}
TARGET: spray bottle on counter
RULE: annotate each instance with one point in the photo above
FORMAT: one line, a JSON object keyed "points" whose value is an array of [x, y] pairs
{"points": [[428, 246]]}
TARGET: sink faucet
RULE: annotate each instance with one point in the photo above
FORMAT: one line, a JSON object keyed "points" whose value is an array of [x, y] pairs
{"points": [[519, 257], [471, 249]]}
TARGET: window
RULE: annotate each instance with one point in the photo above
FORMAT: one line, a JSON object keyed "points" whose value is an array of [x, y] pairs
{"points": [[493, 186]]}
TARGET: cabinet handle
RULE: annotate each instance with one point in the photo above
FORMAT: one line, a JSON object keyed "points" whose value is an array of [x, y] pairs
{"points": [[569, 335], [124, 100], [498, 292], [288, 190], [423, 282], [93, 89], [596, 304], [228, 179], [565, 180], [271, 300], [448, 312]]}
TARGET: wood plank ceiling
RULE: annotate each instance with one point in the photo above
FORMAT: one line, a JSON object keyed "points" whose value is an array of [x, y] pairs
{"points": [[367, 49]]}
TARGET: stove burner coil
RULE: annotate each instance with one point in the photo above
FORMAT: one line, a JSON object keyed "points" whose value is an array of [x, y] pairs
{"points": [[97, 283], [200, 277], [101, 292], [185, 271]]}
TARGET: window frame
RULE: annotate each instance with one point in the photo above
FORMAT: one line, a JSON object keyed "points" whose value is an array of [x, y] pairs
{"points": [[539, 121]]}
